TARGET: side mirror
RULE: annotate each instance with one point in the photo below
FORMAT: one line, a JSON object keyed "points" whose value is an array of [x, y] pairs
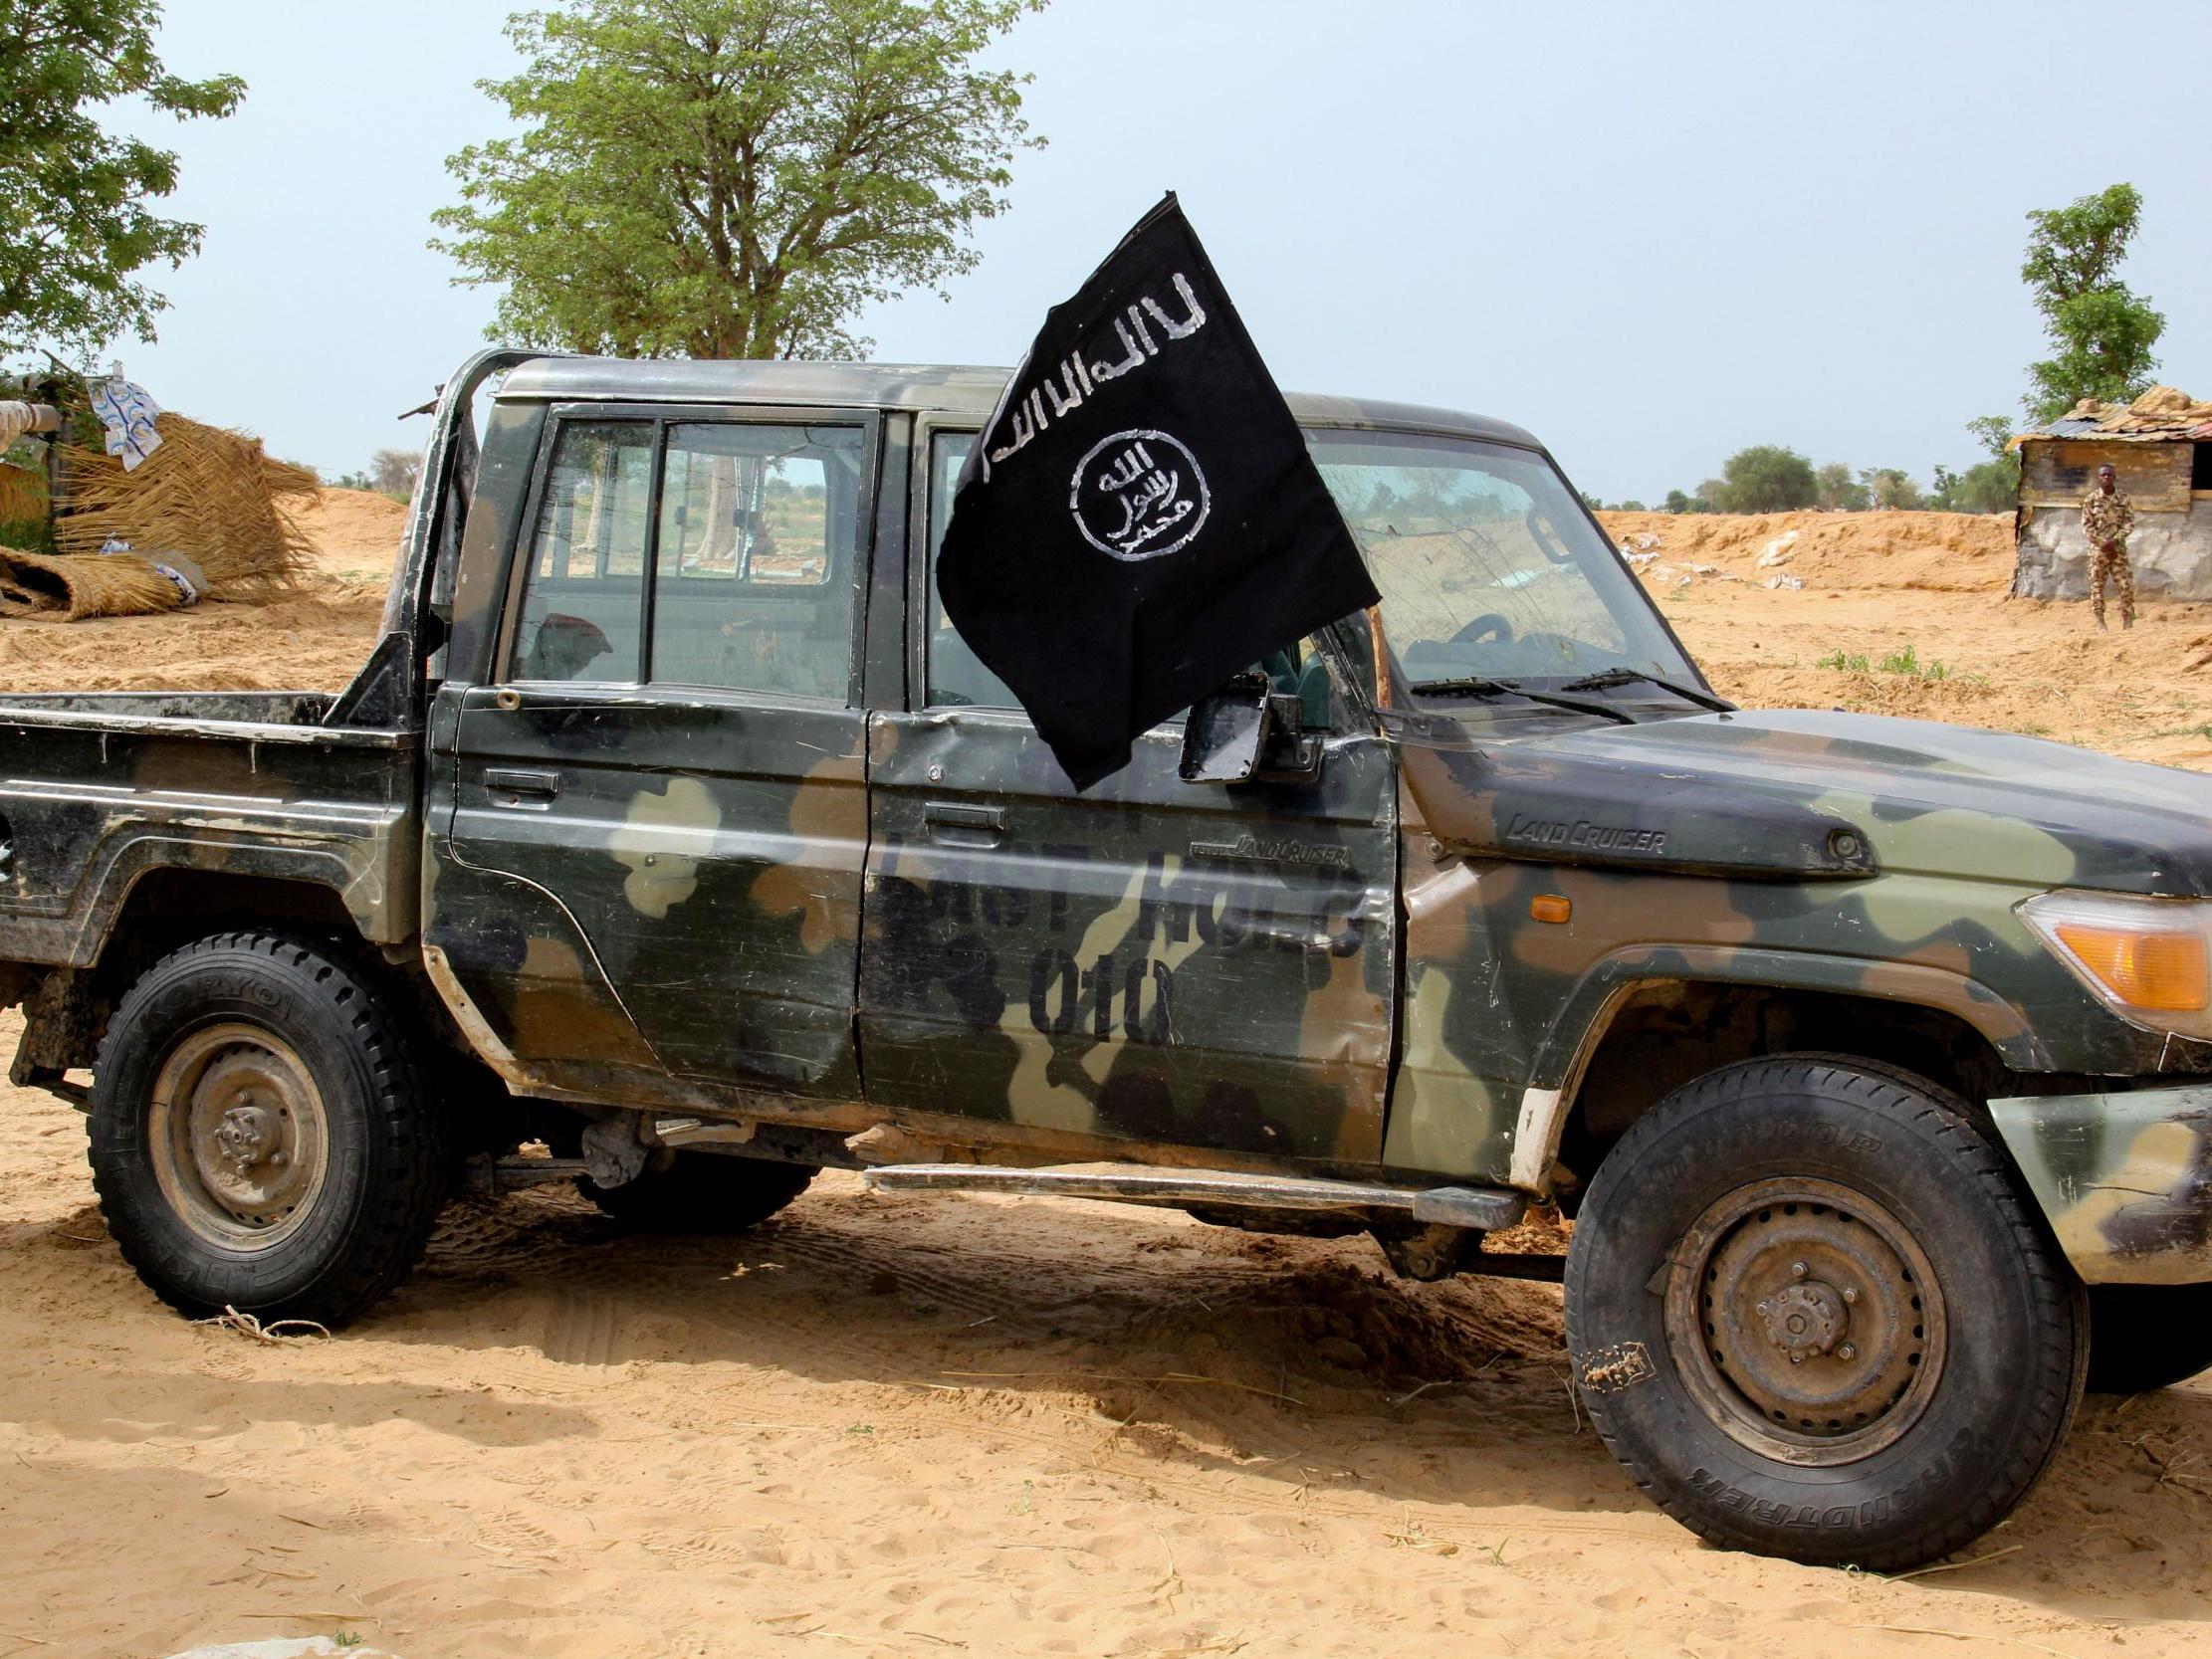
{"points": [[1249, 732]]}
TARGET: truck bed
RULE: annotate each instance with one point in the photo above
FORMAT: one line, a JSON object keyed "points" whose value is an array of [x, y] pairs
{"points": [[99, 790]]}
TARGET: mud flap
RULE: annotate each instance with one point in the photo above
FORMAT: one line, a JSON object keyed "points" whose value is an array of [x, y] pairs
{"points": [[2124, 1179]]}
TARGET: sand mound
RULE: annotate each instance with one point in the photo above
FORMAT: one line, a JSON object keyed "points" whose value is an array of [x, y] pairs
{"points": [[1939, 551], [352, 531]]}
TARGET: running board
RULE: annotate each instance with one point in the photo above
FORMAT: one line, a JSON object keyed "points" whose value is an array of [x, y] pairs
{"points": [[1480, 1208]]}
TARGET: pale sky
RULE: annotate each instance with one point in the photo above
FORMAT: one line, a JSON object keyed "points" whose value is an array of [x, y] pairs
{"points": [[1652, 234]]}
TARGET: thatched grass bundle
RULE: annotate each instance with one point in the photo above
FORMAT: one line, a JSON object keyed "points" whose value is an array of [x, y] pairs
{"points": [[209, 497], [208, 504], [62, 589], [22, 496]]}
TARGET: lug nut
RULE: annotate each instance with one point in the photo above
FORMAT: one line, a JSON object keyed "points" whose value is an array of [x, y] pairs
{"points": [[1849, 1295], [1796, 1270], [1847, 1351]]}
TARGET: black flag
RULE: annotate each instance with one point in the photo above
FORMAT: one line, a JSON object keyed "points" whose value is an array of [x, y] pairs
{"points": [[1140, 520]]}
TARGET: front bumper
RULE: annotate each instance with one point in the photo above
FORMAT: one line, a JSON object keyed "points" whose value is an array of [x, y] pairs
{"points": [[2124, 1179]]}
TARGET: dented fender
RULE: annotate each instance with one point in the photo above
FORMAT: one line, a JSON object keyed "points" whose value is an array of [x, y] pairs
{"points": [[2125, 1178]]}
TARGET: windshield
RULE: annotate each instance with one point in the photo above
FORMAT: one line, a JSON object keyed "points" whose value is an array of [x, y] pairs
{"points": [[1487, 565]]}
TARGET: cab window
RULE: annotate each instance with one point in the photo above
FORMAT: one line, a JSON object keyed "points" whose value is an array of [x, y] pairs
{"points": [[957, 676], [741, 578], [583, 593], [752, 581]]}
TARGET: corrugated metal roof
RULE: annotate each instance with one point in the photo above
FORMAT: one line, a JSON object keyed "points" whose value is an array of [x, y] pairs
{"points": [[2163, 415]]}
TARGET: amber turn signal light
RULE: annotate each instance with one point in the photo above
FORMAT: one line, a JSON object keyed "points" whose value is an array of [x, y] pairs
{"points": [[2160, 970], [1550, 907]]}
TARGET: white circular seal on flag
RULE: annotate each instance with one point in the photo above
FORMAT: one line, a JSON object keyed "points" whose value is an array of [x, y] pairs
{"points": [[1139, 494]]}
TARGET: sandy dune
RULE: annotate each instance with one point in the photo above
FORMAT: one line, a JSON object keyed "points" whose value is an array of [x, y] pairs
{"points": [[908, 1427]]}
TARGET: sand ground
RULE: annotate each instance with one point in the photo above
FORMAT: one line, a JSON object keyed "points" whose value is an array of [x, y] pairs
{"points": [[886, 1425]]}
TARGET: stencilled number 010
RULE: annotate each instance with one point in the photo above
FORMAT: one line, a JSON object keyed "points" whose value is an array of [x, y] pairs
{"points": [[1066, 996]]}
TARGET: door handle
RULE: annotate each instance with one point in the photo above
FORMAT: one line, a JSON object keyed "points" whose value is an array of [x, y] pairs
{"points": [[510, 780], [957, 825]]}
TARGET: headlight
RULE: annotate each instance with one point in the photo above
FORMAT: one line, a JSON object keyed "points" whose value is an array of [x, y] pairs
{"points": [[2149, 958]]}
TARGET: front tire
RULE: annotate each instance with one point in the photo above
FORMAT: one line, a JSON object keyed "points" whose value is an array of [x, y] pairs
{"points": [[260, 1135], [2145, 1336], [1813, 1315]]}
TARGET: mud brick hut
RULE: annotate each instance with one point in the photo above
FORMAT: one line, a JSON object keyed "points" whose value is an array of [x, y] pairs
{"points": [[2160, 445]]}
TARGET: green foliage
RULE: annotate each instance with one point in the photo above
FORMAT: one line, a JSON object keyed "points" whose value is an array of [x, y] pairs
{"points": [[1991, 486], [734, 178], [1632, 505], [1764, 479], [2101, 333], [1840, 492], [76, 224], [1677, 501], [1994, 434], [1906, 660], [1892, 486], [30, 535]]}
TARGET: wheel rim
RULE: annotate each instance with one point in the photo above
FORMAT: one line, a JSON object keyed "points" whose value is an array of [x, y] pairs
{"points": [[238, 1138], [1806, 1320]]}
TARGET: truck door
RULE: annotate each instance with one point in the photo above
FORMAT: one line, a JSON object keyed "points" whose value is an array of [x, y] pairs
{"points": [[669, 755], [1196, 965]]}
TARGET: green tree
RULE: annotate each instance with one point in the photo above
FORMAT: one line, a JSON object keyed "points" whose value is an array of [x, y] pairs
{"points": [[1991, 486], [1893, 488], [734, 178], [2100, 331], [76, 218], [1840, 492], [1764, 479]]}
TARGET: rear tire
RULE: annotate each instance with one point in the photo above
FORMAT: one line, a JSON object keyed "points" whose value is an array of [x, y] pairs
{"points": [[1812, 1312], [2145, 1336], [260, 1136], [702, 1193]]}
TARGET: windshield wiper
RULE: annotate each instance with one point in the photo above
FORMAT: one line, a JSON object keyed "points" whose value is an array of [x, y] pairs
{"points": [[1476, 686], [1635, 676]]}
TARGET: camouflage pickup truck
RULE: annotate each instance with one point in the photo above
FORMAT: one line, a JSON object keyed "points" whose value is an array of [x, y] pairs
{"points": [[670, 842]]}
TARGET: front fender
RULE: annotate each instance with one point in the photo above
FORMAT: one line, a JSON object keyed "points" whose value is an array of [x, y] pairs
{"points": [[1587, 1012], [1584, 1016]]}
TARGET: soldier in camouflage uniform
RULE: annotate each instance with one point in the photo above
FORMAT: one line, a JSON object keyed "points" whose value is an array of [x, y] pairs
{"points": [[2107, 517]]}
